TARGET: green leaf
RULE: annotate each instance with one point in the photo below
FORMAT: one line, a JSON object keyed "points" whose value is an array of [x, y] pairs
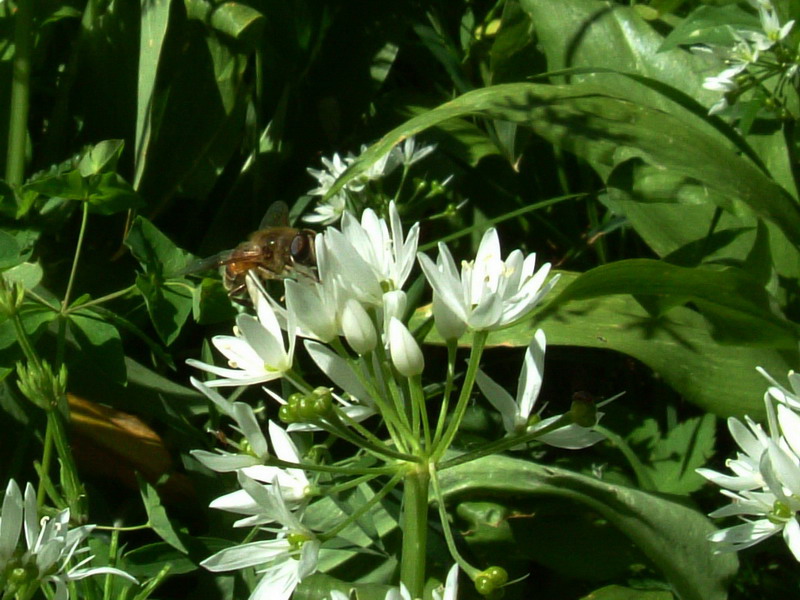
{"points": [[211, 303], [29, 275], [99, 343], [153, 30], [593, 123], [711, 25], [618, 592], [235, 19], [10, 251], [678, 345], [169, 304], [101, 157], [737, 306], [673, 457], [146, 561], [155, 251], [158, 519], [109, 193], [597, 35], [671, 535]]}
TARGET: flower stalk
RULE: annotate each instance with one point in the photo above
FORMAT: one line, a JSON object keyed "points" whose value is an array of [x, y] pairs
{"points": [[414, 525]]}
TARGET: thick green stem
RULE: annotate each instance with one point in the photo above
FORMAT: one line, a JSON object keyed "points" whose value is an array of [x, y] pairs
{"points": [[414, 526], [20, 93]]}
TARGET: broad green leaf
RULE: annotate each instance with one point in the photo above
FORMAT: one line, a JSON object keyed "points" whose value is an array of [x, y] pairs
{"points": [[168, 304], [153, 30], [559, 535], [68, 185], [34, 319], [604, 129], [618, 592], [158, 519], [101, 157], [711, 25], [674, 455], [147, 561], [109, 193], [10, 251], [197, 119], [234, 19], [670, 534], [737, 306], [99, 343], [594, 34], [27, 274], [211, 303], [155, 252], [678, 345]]}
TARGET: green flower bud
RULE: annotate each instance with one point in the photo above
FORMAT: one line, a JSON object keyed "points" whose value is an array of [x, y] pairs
{"points": [[12, 294], [305, 409], [323, 402], [583, 410], [41, 385], [484, 584], [295, 399], [288, 414], [497, 574]]}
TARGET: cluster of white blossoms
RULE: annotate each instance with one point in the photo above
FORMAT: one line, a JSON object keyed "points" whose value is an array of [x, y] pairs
{"points": [[765, 484], [331, 210], [353, 322], [748, 55], [49, 552]]}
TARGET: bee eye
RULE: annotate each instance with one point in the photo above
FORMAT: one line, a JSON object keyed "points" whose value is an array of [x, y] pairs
{"points": [[300, 249]]}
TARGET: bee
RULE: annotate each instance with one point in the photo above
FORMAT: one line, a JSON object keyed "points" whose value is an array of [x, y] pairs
{"points": [[274, 251]]}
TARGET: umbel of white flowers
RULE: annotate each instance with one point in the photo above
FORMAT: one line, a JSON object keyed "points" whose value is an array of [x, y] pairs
{"points": [[764, 486], [357, 301], [43, 555]]}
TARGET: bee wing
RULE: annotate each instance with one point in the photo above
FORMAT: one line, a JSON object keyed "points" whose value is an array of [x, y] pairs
{"points": [[217, 260], [277, 215]]}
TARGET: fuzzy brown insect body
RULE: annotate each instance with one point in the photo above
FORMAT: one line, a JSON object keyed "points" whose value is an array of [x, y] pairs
{"points": [[275, 251]]}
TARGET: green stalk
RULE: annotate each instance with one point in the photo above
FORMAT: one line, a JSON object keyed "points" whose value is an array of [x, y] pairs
{"points": [[364, 508], [452, 348], [471, 571], [478, 342], [20, 93], [418, 400], [414, 525]]}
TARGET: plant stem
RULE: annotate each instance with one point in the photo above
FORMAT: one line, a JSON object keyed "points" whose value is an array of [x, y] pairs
{"points": [[20, 93], [76, 257], [478, 342], [414, 525]]}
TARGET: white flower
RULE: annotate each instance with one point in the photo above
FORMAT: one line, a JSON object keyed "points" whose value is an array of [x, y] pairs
{"points": [[288, 558], [329, 211], [766, 482], [746, 465], [489, 293], [358, 328], [450, 591], [334, 167], [516, 413], [404, 350], [257, 352], [790, 398], [371, 257], [49, 544], [411, 154], [257, 450], [255, 499]]}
